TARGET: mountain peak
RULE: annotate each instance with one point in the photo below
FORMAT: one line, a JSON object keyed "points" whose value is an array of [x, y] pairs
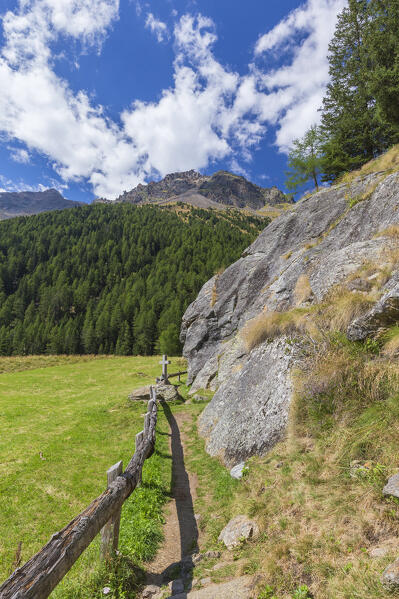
{"points": [[24, 203], [223, 188]]}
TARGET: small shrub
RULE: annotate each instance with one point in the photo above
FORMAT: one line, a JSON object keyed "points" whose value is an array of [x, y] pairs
{"points": [[267, 593], [301, 592], [370, 472], [371, 346], [214, 296], [361, 197]]}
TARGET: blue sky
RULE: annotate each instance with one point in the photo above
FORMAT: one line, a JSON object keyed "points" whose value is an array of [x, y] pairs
{"points": [[97, 96]]}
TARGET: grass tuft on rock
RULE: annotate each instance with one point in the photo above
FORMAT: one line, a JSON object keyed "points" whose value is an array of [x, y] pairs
{"points": [[340, 307], [387, 162]]}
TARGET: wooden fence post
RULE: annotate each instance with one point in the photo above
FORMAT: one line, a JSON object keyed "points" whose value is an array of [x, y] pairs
{"points": [[110, 532]]}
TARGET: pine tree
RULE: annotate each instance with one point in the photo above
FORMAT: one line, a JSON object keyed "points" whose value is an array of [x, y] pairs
{"points": [[124, 343], [169, 342], [383, 45], [88, 334], [352, 125]]}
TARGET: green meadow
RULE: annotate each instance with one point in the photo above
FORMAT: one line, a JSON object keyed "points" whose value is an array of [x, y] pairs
{"points": [[63, 423]]}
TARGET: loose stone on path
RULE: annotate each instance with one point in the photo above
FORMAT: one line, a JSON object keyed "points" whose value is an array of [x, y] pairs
{"points": [[238, 588]]}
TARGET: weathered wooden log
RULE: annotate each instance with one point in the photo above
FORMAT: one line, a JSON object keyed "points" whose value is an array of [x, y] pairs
{"points": [[110, 532], [147, 419], [139, 440], [179, 374], [40, 575]]}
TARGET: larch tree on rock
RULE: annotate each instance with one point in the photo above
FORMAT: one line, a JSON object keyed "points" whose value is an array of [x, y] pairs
{"points": [[304, 160]]}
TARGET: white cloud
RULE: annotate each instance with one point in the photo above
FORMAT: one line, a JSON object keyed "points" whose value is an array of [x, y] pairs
{"points": [[15, 186], [157, 27], [294, 91], [30, 30], [183, 129], [209, 113], [139, 8], [39, 109], [19, 155], [238, 169]]}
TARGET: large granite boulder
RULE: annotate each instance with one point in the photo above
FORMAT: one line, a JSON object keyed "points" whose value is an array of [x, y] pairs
{"points": [[324, 238], [248, 414]]}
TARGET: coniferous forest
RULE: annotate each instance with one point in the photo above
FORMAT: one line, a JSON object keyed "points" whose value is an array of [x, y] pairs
{"points": [[110, 278]]}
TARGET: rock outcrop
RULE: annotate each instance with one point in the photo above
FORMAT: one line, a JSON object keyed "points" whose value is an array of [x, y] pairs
{"points": [[390, 576], [324, 238], [254, 397], [167, 392], [239, 529], [141, 394], [392, 486], [383, 314]]}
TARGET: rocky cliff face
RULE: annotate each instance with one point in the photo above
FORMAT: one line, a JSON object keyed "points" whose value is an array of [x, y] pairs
{"points": [[32, 202], [324, 238], [222, 188]]}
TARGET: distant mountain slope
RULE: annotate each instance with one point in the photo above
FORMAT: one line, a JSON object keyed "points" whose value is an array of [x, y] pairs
{"points": [[221, 188], [32, 202]]}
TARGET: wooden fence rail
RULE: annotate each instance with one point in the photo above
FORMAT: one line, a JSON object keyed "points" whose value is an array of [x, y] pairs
{"points": [[179, 374], [41, 574]]}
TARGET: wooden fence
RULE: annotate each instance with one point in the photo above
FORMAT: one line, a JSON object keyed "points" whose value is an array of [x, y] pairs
{"points": [[41, 574]]}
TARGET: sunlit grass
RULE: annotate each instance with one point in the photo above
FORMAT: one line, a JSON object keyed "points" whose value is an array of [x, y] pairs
{"points": [[62, 426]]}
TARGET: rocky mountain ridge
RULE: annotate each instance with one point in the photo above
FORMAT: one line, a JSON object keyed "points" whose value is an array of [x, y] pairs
{"points": [[319, 245], [25, 203], [222, 189]]}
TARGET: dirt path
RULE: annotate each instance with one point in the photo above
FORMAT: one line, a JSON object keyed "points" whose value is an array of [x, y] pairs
{"points": [[180, 530]]}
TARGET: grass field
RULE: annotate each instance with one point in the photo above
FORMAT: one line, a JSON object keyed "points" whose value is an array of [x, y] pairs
{"points": [[63, 423]]}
